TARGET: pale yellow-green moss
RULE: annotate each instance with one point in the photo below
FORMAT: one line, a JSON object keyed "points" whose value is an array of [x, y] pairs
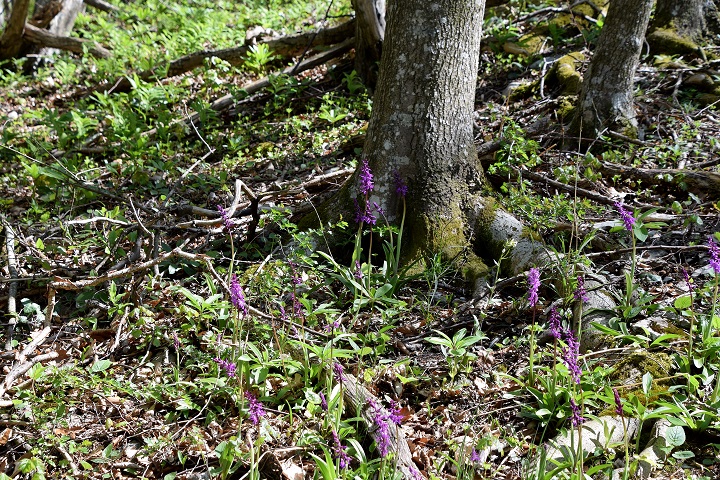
{"points": [[473, 268], [566, 107], [668, 41], [565, 73], [523, 90], [630, 370]]}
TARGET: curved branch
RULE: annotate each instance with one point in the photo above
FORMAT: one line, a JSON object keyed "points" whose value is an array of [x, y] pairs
{"points": [[77, 45], [236, 56]]}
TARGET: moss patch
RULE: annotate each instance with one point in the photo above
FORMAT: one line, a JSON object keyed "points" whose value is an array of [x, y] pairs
{"points": [[566, 107], [630, 370], [668, 41], [565, 73]]}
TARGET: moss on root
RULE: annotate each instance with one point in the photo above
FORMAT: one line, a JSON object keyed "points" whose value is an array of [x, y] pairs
{"points": [[565, 73], [566, 107], [447, 237], [669, 41]]}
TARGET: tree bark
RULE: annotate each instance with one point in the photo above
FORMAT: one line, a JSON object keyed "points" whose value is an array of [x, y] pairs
{"points": [[421, 126], [11, 40], [369, 35], [686, 17], [606, 99]]}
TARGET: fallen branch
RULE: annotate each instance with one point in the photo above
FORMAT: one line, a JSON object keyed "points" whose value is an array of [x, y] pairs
{"points": [[45, 38], [22, 366], [236, 56], [102, 5], [65, 284], [691, 180], [227, 101]]}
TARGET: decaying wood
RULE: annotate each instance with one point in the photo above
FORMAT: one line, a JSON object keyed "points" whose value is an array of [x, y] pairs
{"points": [[695, 181], [44, 12], [236, 56], [45, 38]]}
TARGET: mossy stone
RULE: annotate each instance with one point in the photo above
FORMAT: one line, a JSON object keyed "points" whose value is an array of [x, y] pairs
{"points": [[630, 370]]}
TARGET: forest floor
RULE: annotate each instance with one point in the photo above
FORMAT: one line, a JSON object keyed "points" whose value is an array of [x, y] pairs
{"points": [[128, 356]]}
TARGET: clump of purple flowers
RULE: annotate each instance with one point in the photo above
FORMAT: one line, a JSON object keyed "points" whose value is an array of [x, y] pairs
{"points": [[395, 416], [323, 402], [554, 324], [401, 188], [533, 286], [575, 419], [227, 221], [237, 297], [339, 451], [364, 215], [255, 409], [338, 372], [475, 456], [627, 217], [714, 255], [295, 277], [226, 365], [580, 292], [366, 178], [381, 419], [570, 355], [618, 402]]}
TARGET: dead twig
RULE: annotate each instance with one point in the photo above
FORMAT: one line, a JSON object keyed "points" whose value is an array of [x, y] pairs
{"points": [[12, 288], [23, 365]]}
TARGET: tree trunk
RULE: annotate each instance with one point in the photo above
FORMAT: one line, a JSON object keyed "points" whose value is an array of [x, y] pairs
{"points": [[421, 127], [686, 17], [678, 27], [60, 26], [11, 40], [369, 35], [606, 99], [421, 131]]}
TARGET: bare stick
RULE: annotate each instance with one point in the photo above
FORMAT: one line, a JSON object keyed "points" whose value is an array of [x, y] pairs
{"points": [[12, 289]]}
